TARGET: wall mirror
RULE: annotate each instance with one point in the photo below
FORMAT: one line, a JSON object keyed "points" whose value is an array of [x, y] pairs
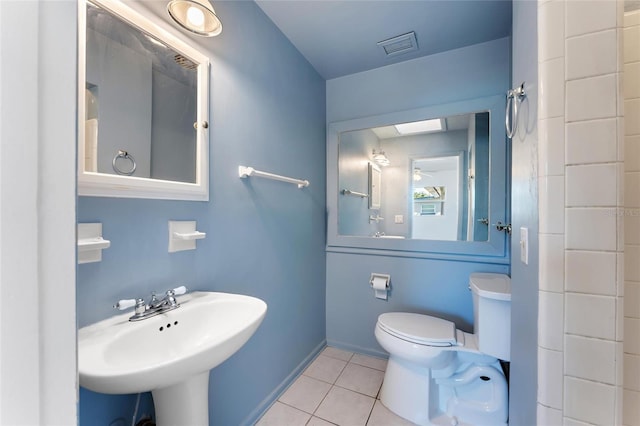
{"points": [[143, 108], [443, 184]]}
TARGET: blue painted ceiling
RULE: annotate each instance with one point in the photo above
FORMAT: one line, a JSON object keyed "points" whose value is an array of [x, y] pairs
{"points": [[340, 37]]}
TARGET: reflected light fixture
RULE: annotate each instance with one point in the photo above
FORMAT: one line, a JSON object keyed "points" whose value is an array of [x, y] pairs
{"points": [[424, 126], [416, 175], [196, 16], [380, 158]]}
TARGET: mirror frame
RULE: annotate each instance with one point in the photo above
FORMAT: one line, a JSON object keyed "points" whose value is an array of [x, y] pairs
{"points": [[497, 244], [108, 185]]}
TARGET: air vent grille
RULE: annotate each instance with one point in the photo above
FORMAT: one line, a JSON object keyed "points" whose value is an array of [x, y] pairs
{"points": [[400, 44]]}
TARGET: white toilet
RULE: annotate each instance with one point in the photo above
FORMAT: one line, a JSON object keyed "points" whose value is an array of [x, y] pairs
{"points": [[438, 375]]}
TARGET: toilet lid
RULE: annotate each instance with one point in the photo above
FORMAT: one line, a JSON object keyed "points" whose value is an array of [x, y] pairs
{"points": [[420, 329]]}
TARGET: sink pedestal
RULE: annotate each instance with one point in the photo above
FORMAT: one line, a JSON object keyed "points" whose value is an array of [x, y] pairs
{"points": [[185, 403]]}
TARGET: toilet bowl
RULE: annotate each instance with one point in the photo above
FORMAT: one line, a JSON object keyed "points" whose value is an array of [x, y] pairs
{"points": [[438, 375]]}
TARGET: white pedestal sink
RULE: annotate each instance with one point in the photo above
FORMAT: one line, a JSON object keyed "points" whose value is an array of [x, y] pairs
{"points": [[169, 354]]}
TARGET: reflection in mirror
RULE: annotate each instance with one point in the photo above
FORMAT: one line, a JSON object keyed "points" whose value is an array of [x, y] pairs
{"points": [[141, 98], [434, 182], [142, 107]]}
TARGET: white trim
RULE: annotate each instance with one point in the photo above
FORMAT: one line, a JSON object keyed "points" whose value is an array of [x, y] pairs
{"points": [[38, 376], [107, 185]]}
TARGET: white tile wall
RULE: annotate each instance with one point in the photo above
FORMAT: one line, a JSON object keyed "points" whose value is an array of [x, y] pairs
{"points": [[589, 16], [551, 147], [551, 200], [631, 407], [591, 229], [632, 44], [631, 346], [632, 85], [551, 265], [552, 98], [632, 372], [632, 299], [590, 316], [550, 378], [591, 141], [632, 328], [551, 314], [581, 84], [632, 110], [632, 269], [584, 357], [632, 153], [591, 272], [590, 185], [549, 416], [551, 30], [591, 55], [591, 98], [589, 401]]}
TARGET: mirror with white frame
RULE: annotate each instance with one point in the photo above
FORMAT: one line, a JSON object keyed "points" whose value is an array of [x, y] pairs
{"points": [[443, 186], [142, 106]]}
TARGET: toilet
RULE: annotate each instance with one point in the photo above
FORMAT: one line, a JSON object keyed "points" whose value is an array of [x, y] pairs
{"points": [[438, 375]]}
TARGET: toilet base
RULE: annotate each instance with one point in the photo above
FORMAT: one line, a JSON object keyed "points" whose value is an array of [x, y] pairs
{"points": [[411, 392], [405, 390]]}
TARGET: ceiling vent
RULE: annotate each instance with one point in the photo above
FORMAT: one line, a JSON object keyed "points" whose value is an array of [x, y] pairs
{"points": [[398, 45]]}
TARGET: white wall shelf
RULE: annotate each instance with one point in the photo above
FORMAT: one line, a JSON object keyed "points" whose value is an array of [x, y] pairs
{"points": [[91, 243]]}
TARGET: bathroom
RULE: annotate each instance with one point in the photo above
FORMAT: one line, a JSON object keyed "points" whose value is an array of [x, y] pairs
{"points": [[269, 240]]}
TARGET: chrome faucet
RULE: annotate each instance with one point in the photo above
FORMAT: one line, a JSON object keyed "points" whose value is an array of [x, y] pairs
{"points": [[155, 306]]}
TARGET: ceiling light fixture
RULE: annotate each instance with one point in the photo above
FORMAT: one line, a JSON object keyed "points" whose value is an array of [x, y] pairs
{"points": [[416, 175], [196, 16], [380, 158], [424, 126]]}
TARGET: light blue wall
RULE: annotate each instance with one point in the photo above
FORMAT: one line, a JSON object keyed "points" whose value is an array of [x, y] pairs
{"points": [[524, 205], [264, 238], [436, 286], [354, 175], [471, 72]]}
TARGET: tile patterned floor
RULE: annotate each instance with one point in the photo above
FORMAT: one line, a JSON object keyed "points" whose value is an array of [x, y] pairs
{"points": [[337, 388]]}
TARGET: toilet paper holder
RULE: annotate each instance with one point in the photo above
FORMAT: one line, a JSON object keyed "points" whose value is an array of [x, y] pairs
{"points": [[380, 284]]}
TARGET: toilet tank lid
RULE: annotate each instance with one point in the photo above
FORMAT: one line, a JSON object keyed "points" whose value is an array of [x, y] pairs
{"points": [[491, 286]]}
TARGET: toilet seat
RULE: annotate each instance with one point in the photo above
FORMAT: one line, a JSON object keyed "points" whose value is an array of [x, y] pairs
{"points": [[419, 329]]}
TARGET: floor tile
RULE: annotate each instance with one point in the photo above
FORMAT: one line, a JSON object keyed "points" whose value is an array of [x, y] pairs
{"points": [[369, 361], [282, 415], [317, 421], [361, 379], [325, 369], [346, 408], [337, 353], [305, 394], [382, 416]]}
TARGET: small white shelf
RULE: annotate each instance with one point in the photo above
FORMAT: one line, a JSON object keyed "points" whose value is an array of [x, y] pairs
{"points": [[91, 243], [197, 235], [183, 235]]}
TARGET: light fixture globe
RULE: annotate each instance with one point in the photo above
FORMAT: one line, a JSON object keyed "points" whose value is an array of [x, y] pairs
{"points": [[196, 16], [380, 158]]}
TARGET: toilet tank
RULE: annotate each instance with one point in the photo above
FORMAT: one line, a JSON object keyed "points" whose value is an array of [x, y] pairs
{"points": [[492, 313]]}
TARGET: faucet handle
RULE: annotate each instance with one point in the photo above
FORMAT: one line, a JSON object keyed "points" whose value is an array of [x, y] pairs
{"points": [[125, 304], [178, 290]]}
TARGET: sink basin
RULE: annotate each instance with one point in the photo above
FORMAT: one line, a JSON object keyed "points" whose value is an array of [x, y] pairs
{"points": [[169, 354]]}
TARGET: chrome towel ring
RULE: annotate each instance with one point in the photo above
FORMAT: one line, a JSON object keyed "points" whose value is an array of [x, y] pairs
{"points": [[514, 98], [126, 156]]}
